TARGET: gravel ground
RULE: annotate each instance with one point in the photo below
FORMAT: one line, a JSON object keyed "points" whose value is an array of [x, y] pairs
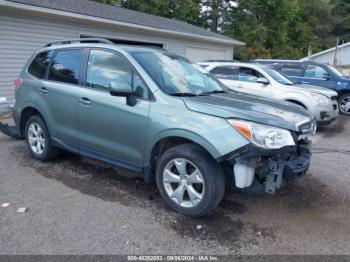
{"points": [[79, 206]]}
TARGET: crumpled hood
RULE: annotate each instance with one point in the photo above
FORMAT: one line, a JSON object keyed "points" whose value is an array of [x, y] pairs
{"points": [[316, 89], [251, 108]]}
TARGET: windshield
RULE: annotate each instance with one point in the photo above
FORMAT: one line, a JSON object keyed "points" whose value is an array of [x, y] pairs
{"points": [[278, 76], [335, 71], [176, 75]]}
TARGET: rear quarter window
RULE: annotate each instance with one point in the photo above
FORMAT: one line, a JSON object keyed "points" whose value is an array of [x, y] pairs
{"points": [[38, 66]]}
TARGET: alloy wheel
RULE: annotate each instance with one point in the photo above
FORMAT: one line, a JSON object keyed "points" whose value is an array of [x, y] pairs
{"points": [[36, 138], [344, 105], [183, 182]]}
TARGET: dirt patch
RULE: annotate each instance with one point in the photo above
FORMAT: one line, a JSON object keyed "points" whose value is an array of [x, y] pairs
{"points": [[219, 227], [233, 207], [92, 178], [308, 192]]}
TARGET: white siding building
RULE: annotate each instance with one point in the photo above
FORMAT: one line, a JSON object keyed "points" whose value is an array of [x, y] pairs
{"points": [[26, 25], [327, 57]]}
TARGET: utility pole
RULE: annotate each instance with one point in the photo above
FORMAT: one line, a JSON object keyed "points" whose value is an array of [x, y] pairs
{"points": [[335, 54]]}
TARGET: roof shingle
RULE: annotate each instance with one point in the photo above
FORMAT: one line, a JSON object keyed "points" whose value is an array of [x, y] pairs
{"points": [[86, 7]]}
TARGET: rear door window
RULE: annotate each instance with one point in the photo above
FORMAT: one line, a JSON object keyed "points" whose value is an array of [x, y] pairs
{"points": [[292, 69], [315, 71], [38, 67], [65, 66], [230, 72], [248, 75]]}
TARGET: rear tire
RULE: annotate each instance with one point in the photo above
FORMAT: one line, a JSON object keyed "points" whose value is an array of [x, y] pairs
{"points": [[344, 104], [38, 139], [190, 180]]}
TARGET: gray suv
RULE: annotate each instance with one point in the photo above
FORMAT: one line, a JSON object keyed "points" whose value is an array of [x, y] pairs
{"points": [[158, 114]]}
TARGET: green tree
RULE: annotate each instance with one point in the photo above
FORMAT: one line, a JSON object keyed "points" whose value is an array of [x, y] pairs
{"points": [[185, 10], [341, 19], [281, 28]]}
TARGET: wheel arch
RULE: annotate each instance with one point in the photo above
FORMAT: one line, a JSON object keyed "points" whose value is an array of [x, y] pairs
{"points": [[297, 102], [26, 113], [343, 92], [168, 140]]}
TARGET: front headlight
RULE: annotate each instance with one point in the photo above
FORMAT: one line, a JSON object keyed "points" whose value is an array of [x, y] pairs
{"points": [[321, 99], [263, 136]]}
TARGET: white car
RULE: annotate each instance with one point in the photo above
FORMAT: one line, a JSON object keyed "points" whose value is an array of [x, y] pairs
{"points": [[268, 82]]}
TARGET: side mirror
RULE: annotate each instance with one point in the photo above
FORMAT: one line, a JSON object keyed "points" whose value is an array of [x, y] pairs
{"points": [[262, 80], [121, 88], [326, 76]]}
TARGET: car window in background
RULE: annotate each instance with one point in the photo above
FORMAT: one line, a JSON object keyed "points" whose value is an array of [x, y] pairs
{"points": [[292, 69], [279, 76], [106, 69], [248, 75], [315, 71], [65, 66], [177, 75], [228, 72], [335, 71], [40, 63]]}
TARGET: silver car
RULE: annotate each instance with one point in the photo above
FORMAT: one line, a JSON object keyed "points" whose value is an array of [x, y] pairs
{"points": [[268, 82]]}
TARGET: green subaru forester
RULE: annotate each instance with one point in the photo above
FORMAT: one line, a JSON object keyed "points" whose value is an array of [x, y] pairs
{"points": [[157, 113]]}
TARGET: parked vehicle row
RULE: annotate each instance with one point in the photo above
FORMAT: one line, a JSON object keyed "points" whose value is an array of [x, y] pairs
{"points": [[318, 74], [156, 113], [268, 82]]}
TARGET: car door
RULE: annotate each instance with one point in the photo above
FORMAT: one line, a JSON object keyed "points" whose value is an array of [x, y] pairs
{"points": [[109, 128], [319, 76], [247, 82], [59, 95]]}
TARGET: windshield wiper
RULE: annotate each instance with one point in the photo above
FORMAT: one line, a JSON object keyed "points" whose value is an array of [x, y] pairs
{"points": [[183, 94], [215, 92]]}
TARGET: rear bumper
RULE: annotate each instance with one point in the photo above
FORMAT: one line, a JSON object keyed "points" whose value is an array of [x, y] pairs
{"points": [[9, 128], [12, 131]]}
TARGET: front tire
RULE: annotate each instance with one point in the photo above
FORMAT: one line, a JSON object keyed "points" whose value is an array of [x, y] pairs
{"points": [[344, 104], [38, 139], [190, 180]]}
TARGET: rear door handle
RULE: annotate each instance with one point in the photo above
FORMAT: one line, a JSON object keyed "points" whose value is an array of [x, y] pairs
{"points": [[306, 82], [43, 90], [85, 101], [239, 86]]}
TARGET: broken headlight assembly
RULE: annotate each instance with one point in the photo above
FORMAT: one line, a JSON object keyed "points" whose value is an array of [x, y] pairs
{"points": [[264, 136]]}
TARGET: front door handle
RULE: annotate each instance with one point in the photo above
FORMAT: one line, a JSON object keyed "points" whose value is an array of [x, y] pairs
{"points": [[85, 101], [239, 86], [43, 90]]}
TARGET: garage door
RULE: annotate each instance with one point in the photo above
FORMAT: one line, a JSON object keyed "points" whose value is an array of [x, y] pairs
{"points": [[199, 54]]}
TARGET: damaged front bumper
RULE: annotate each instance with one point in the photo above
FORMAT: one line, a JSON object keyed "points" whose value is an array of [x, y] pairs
{"points": [[270, 167]]}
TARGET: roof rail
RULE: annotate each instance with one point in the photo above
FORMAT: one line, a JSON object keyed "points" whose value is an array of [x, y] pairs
{"points": [[80, 40]]}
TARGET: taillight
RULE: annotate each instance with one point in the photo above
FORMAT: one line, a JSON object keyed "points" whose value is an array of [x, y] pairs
{"points": [[17, 83]]}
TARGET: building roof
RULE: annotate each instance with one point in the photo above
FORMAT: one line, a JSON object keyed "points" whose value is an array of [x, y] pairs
{"points": [[327, 51], [115, 13]]}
